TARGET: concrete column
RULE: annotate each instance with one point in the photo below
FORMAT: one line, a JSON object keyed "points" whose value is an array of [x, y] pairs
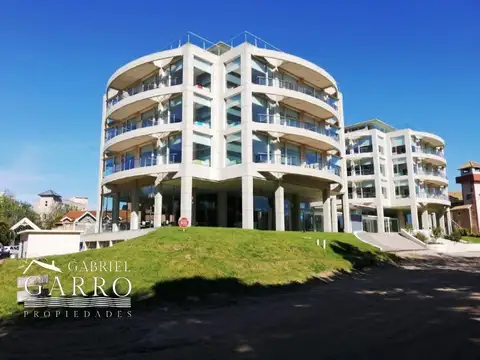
{"points": [[327, 221], [380, 219], [186, 198], [347, 223], [115, 211], [295, 213], [247, 202], [425, 220], [158, 199], [401, 219], [333, 199], [222, 207], [441, 221], [414, 215], [449, 221], [279, 208], [434, 220], [134, 218]]}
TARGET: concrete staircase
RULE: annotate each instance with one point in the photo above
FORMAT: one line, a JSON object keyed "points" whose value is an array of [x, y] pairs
{"points": [[389, 241]]}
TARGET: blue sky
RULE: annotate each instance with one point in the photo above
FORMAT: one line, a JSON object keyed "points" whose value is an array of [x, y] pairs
{"points": [[411, 64]]}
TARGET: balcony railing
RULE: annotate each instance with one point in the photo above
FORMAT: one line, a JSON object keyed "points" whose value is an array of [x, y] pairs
{"points": [[360, 149], [286, 121], [133, 163], [432, 196], [426, 150], [365, 195], [431, 173], [295, 161], [110, 133], [282, 84], [164, 82], [361, 171]]}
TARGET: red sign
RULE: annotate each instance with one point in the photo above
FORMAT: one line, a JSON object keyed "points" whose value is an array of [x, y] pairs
{"points": [[183, 222]]}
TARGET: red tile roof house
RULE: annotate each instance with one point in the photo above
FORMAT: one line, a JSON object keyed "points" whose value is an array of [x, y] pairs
{"points": [[78, 220]]}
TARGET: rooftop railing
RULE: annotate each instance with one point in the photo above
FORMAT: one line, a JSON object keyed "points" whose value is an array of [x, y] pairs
{"points": [[164, 82], [283, 84], [286, 121], [221, 46]]}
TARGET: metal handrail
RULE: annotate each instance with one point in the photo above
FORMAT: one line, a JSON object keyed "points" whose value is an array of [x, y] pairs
{"points": [[286, 121], [284, 84]]}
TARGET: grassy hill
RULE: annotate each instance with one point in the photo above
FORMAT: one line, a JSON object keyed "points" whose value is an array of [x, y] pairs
{"points": [[172, 265]]}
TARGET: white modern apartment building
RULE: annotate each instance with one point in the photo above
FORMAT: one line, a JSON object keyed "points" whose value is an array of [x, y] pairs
{"points": [[395, 177], [237, 134]]}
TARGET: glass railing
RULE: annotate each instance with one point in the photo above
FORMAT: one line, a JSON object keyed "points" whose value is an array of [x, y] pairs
{"points": [[286, 121], [361, 171], [110, 133], [431, 173], [426, 150], [294, 161], [165, 82], [282, 84], [428, 195], [133, 163], [366, 194]]}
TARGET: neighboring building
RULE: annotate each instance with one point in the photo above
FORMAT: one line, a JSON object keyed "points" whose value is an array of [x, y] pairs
{"points": [[233, 135], [467, 214], [50, 198], [39, 243], [395, 177], [78, 220]]}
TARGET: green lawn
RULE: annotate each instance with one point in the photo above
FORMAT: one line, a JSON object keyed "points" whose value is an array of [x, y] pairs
{"points": [[471, 239], [158, 260]]}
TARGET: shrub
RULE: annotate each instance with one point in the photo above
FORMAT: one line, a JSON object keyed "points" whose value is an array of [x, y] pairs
{"points": [[463, 232], [437, 232], [456, 235], [409, 228], [421, 236]]}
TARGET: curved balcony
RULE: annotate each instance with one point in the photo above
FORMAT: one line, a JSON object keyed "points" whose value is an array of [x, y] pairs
{"points": [[430, 138], [293, 165], [127, 104], [434, 177], [135, 168], [315, 103], [308, 134], [441, 199], [126, 136], [297, 66], [436, 157]]}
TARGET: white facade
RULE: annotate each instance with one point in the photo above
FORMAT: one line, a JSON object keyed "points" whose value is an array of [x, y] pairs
{"points": [[39, 243], [395, 177], [243, 136]]}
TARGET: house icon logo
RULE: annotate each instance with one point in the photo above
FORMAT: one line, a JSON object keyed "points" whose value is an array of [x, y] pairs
{"points": [[43, 265]]}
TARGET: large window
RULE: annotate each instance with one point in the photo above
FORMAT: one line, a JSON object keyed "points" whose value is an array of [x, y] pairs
{"points": [[290, 154], [313, 159], [234, 110], [202, 111], [109, 166], [128, 160], [233, 73], [202, 71], [175, 72], [366, 189], [173, 112], [234, 149], [262, 151], [262, 110], [400, 167], [261, 73], [171, 150], [401, 189], [148, 155], [148, 118], [398, 145], [202, 149]]}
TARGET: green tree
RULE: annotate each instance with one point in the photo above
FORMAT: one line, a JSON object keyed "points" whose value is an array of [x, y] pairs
{"points": [[55, 214], [12, 210], [7, 236]]}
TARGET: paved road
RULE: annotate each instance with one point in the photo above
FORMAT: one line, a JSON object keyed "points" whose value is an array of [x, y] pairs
{"points": [[426, 309]]}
